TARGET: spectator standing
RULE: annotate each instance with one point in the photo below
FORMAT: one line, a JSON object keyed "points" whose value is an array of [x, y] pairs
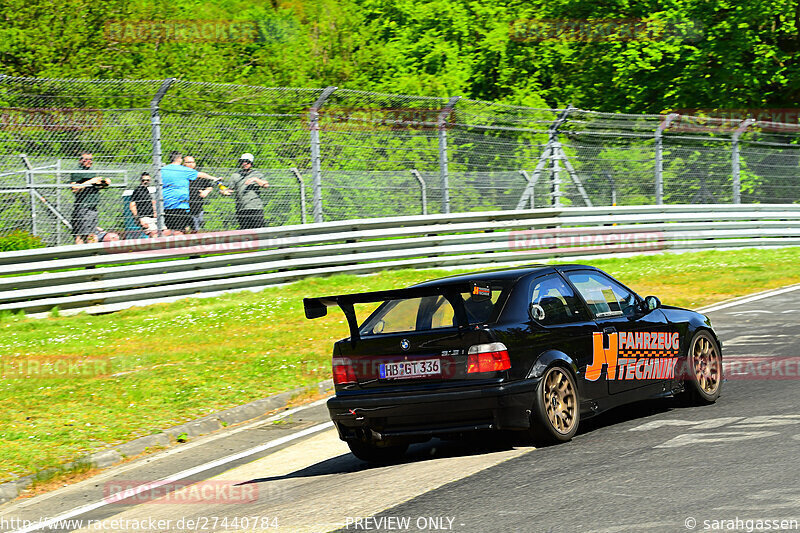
{"points": [[87, 198], [175, 180], [199, 190], [247, 183], [143, 206]]}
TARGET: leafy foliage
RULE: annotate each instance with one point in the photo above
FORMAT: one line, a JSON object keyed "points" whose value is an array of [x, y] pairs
{"points": [[19, 240], [679, 54]]}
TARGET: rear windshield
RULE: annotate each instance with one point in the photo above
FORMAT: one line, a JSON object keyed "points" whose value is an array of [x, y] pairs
{"points": [[428, 313]]}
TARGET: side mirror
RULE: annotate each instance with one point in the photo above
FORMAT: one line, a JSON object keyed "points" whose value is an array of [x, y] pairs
{"points": [[651, 303]]}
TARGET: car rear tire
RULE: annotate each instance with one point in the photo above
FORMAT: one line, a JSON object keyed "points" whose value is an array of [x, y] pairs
{"points": [[372, 453], [702, 369], [556, 408]]}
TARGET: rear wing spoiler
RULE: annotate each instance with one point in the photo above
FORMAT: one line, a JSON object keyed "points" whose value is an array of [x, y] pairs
{"points": [[318, 307]]}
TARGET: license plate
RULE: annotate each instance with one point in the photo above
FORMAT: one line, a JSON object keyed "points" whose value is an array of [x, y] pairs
{"points": [[411, 369]]}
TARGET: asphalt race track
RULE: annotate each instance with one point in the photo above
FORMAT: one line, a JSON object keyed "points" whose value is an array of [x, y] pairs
{"points": [[732, 466]]}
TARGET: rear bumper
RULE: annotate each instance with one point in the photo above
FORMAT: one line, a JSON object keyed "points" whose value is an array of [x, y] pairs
{"points": [[419, 416]]}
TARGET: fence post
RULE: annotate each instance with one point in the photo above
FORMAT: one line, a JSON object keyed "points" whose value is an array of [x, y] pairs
{"points": [[299, 178], [29, 184], [553, 144], [737, 184], [423, 189], [612, 185], [155, 124], [441, 125], [529, 192], [316, 172], [659, 157], [59, 207]]}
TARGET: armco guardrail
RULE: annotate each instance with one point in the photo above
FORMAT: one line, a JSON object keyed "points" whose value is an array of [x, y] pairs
{"points": [[108, 276]]}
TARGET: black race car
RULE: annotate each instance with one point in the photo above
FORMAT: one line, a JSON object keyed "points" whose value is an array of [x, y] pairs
{"points": [[532, 349]]}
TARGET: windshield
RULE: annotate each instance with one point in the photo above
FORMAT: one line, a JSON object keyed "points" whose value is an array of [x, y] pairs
{"points": [[428, 313]]}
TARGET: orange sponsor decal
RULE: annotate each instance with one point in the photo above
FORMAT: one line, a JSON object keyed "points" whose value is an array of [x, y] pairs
{"points": [[623, 360]]}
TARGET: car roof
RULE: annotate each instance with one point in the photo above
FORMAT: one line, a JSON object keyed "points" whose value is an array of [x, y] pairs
{"points": [[501, 274]]}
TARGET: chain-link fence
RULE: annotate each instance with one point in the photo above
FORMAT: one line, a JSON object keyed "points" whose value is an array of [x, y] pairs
{"points": [[334, 154]]}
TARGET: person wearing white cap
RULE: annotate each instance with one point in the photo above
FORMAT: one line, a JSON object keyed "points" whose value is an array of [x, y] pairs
{"points": [[247, 183]]}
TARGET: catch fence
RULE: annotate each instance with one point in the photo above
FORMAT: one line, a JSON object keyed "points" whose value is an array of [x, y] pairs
{"points": [[336, 154]]}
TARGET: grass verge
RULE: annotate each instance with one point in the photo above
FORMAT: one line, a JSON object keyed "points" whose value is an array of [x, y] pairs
{"points": [[73, 385]]}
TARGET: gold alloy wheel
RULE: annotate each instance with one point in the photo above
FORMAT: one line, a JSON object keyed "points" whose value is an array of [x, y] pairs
{"points": [[559, 400], [705, 360]]}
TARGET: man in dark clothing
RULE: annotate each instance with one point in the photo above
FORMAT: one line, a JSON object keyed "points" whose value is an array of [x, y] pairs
{"points": [[143, 206], [246, 184], [87, 197], [199, 189]]}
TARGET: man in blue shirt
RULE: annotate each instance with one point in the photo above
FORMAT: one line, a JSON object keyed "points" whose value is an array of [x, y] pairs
{"points": [[175, 180]]}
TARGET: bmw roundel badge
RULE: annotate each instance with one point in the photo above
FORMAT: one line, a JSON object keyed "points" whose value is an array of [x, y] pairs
{"points": [[405, 345]]}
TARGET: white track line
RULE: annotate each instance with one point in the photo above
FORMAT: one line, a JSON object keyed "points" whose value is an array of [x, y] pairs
{"points": [[748, 299], [175, 477]]}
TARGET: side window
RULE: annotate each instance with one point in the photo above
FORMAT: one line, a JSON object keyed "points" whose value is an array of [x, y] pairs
{"points": [[554, 302], [604, 296]]}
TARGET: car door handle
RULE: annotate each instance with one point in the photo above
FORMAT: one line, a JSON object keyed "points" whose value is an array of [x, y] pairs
{"points": [[609, 330]]}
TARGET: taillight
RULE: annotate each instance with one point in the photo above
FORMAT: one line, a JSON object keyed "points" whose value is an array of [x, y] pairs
{"points": [[488, 358], [343, 371]]}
